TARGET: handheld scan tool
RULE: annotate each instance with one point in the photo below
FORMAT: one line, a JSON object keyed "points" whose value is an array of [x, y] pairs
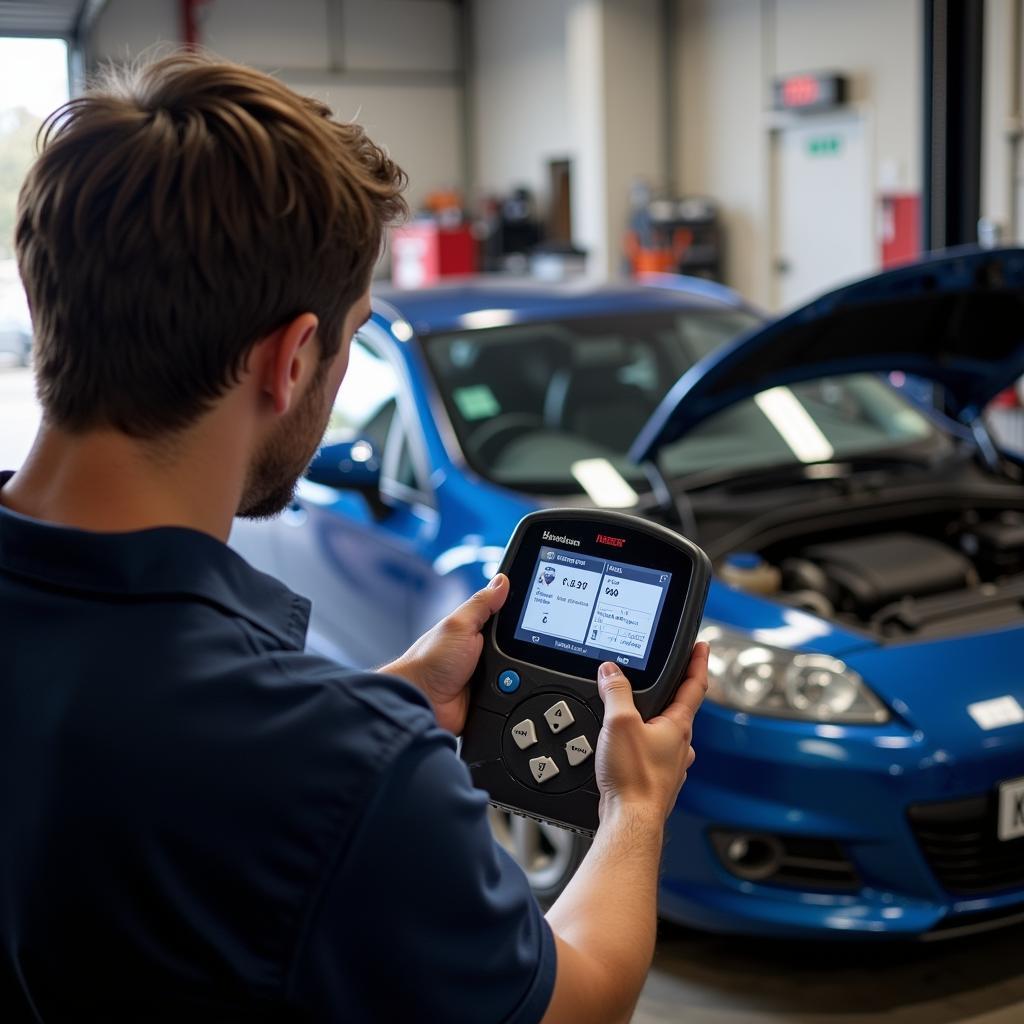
{"points": [[586, 586]]}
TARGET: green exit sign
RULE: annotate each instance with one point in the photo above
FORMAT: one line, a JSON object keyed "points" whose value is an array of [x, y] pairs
{"points": [[825, 145]]}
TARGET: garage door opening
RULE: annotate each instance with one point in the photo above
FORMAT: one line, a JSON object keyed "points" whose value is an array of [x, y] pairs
{"points": [[33, 82]]}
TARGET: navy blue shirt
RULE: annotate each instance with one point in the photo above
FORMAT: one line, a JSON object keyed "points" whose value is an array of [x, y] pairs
{"points": [[199, 821]]}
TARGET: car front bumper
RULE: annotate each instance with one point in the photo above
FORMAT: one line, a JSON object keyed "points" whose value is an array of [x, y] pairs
{"points": [[851, 785]]}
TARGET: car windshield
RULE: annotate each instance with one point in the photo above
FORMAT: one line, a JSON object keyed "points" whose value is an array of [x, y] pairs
{"points": [[537, 406]]}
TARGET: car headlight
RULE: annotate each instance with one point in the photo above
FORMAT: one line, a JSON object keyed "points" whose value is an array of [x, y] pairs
{"points": [[749, 676]]}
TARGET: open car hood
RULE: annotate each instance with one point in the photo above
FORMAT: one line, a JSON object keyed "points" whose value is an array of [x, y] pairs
{"points": [[956, 318]]}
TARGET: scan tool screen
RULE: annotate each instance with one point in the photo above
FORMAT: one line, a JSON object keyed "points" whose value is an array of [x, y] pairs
{"points": [[593, 607]]}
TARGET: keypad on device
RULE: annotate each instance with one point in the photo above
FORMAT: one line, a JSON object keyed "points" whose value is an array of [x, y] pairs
{"points": [[535, 752]]}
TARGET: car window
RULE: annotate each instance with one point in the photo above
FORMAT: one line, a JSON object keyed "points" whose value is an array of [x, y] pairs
{"points": [[367, 400], [528, 401], [813, 421], [369, 406], [405, 468]]}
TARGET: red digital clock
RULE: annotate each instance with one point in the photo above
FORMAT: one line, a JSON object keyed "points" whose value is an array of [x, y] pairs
{"points": [[809, 91]]}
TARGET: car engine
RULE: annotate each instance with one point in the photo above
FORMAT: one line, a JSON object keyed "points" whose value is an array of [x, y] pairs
{"points": [[970, 575]]}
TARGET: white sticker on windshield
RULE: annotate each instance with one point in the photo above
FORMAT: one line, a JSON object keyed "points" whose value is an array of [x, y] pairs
{"points": [[995, 713], [476, 402]]}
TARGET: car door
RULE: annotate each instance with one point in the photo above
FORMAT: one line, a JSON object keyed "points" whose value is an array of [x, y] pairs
{"points": [[362, 562]]}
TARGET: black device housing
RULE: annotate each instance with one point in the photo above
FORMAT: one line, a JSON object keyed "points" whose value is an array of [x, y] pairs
{"points": [[496, 763]]}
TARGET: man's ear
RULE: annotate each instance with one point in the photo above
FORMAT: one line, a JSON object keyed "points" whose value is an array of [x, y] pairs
{"points": [[290, 357]]}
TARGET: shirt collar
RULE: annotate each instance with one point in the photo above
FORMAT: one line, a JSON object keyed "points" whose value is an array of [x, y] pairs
{"points": [[165, 560]]}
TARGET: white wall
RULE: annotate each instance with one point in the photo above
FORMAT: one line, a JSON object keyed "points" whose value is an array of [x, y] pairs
{"points": [[520, 93], [634, 110], [721, 131], [126, 27], [580, 79], [419, 127], [728, 53], [410, 35], [1002, 182], [585, 49], [570, 79], [392, 65], [878, 44]]}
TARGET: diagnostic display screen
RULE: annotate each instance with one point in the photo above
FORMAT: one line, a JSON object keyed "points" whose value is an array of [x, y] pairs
{"points": [[592, 606]]}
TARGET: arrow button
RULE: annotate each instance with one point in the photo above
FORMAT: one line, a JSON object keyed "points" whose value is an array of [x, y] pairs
{"points": [[559, 716], [543, 768], [525, 734], [578, 750]]}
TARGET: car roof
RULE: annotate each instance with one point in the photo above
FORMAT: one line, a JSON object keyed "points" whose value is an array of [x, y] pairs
{"points": [[467, 303]]}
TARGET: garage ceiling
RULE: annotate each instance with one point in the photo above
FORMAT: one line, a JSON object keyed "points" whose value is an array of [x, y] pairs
{"points": [[47, 17]]}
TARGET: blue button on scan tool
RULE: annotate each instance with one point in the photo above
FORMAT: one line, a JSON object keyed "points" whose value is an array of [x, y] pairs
{"points": [[508, 681]]}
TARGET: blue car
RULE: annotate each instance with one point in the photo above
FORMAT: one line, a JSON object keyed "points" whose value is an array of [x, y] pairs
{"points": [[861, 751]]}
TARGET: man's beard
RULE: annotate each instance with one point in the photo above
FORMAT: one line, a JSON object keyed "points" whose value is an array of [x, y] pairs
{"points": [[285, 456]]}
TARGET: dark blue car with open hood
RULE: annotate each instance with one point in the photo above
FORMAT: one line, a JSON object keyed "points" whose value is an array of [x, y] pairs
{"points": [[861, 751]]}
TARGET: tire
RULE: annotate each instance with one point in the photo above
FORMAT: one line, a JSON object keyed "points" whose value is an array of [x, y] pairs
{"points": [[548, 855]]}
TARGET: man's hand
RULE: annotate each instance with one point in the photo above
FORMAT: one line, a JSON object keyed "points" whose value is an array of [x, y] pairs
{"points": [[605, 921], [442, 660], [644, 764]]}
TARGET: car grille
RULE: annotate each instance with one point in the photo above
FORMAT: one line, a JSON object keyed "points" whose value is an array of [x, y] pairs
{"points": [[959, 841], [815, 864]]}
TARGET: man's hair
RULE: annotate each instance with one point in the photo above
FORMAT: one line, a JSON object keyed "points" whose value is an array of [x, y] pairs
{"points": [[177, 213]]}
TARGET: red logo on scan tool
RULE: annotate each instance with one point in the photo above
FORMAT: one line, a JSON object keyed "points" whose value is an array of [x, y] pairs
{"points": [[615, 542]]}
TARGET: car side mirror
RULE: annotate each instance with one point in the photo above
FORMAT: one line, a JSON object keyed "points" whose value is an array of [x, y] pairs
{"points": [[349, 466]]}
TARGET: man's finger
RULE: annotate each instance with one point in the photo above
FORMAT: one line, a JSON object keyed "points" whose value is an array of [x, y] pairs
{"points": [[615, 690], [484, 603], [691, 691]]}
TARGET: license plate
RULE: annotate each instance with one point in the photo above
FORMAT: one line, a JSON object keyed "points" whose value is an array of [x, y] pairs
{"points": [[1011, 809]]}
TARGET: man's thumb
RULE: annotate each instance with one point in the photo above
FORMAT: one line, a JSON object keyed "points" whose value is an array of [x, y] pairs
{"points": [[615, 690], [484, 603]]}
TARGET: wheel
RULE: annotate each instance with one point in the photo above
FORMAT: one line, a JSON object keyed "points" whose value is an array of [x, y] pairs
{"points": [[547, 854]]}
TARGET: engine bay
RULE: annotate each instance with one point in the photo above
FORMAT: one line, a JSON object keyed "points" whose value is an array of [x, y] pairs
{"points": [[901, 556], [938, 578]]}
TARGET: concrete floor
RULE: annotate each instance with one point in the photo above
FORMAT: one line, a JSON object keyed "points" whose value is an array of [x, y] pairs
{"points": [[706, 979]]}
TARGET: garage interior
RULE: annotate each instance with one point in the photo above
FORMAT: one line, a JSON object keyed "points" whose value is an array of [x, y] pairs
{"points": [[763, 153]]}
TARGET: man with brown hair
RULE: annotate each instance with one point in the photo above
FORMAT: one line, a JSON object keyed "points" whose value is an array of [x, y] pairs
{"points": [[200, 820]]}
